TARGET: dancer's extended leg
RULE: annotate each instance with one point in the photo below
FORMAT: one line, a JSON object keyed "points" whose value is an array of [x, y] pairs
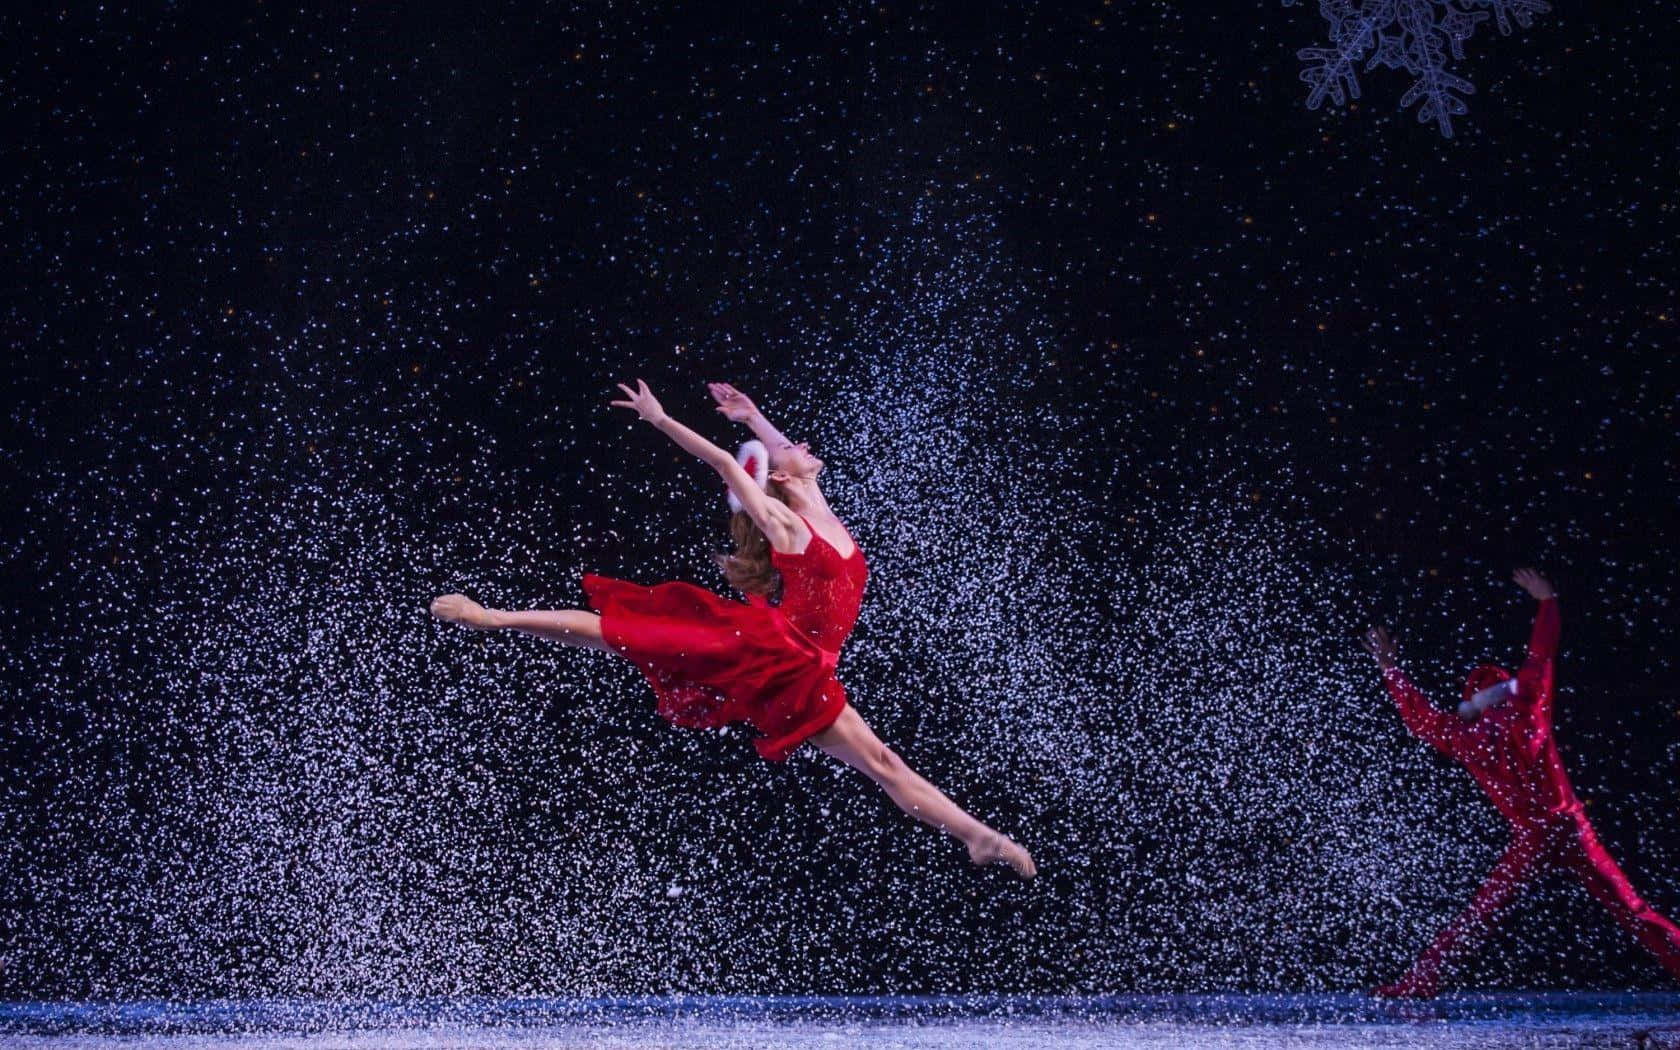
{"points": [[1463, 934], [852, 741], [577, 627], [1604, 879]]}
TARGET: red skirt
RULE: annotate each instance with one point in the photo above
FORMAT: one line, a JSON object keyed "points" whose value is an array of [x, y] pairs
{"points": [[713, 661]]}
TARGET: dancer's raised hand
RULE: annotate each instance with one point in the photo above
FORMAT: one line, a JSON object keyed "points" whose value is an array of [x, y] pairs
{"points": [[642, 402], [1378, 643], [1538, 587], [735, 406]]}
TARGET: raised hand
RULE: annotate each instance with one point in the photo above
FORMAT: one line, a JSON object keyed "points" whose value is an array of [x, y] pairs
{"points": [[735, 406], [1378, 643], [1538, 587], [642, 402]]}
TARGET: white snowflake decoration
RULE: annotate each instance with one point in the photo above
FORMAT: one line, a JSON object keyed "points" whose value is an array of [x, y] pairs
{"points": [[1414, 35]]}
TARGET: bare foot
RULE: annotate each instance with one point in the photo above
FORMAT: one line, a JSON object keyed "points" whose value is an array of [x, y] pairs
{"points": [[996, 848], [458, 608]]}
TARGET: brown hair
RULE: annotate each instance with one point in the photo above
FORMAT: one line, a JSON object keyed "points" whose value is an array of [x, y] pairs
{"points": [[749, 569]]}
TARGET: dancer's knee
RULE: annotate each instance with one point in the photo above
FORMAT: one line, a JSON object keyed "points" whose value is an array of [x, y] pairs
{"points": [[885, 767], [584, 628]]}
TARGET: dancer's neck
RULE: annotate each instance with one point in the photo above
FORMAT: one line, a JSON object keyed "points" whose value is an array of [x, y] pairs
{"points": [[803, 495]]}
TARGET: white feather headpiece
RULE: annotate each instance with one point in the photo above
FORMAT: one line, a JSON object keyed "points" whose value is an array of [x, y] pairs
{"points": [[755, 460]]}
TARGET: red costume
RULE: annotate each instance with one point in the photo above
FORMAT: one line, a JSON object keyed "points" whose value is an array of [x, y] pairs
{"points": [[713, 661], [1510, 751]]}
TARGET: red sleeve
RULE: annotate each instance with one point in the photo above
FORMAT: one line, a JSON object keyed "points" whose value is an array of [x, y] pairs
{"points": [[1534, 681], [1425, 721], [1543, 640]]}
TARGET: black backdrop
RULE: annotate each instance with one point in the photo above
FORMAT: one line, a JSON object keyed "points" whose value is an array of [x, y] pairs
{"points": [[1142, 387]]}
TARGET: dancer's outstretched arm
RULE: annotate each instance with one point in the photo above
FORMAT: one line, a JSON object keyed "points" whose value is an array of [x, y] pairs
{"points": [[781, 526], [739, 408], [1542, 645], [1425, 721], [1543, 640]]}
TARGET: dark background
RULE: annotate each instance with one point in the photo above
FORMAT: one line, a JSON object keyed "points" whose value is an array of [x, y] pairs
{"points": [[1141, 386]]}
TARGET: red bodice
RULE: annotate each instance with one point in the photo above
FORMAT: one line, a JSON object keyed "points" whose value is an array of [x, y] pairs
{"points": [[822, 591]]}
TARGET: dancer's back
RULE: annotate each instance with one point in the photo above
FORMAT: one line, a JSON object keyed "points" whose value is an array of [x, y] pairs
{"points": [[1513, 757]]}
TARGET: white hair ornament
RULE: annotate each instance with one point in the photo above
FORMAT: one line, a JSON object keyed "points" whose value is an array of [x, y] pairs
{"points": [[755, 460]]}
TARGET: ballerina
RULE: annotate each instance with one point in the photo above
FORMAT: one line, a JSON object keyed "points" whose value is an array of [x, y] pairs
{"points": [[1503, 734], [769, 661]]}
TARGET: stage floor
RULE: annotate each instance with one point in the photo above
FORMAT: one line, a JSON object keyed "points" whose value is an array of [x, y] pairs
{"points": [[1547, 1019]]}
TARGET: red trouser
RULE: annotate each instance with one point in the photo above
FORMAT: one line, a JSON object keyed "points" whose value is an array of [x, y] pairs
{"points": [[1569, 842]]}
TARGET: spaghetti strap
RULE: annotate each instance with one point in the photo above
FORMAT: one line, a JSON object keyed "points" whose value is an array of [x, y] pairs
{"points": [[856, 550]]}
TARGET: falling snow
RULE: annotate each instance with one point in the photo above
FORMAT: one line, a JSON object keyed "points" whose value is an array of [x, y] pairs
{"points": [[1142, 390]]}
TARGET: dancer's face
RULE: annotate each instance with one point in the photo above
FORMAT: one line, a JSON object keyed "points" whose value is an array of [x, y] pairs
{"points": [[795, 461]]}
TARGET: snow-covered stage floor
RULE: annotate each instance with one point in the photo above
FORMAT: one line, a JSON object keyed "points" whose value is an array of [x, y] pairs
{"points": [[1548, 1019]]}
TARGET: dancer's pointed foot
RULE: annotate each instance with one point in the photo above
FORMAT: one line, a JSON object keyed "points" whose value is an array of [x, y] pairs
{"points": [[996, 848], [458, 608], [1407, 987]]}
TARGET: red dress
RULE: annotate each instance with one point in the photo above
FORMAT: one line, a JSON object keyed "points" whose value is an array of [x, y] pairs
{"points": [[713, 661]]}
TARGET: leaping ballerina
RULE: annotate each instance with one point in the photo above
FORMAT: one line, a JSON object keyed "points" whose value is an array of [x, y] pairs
{"points": [[768, 661]]}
